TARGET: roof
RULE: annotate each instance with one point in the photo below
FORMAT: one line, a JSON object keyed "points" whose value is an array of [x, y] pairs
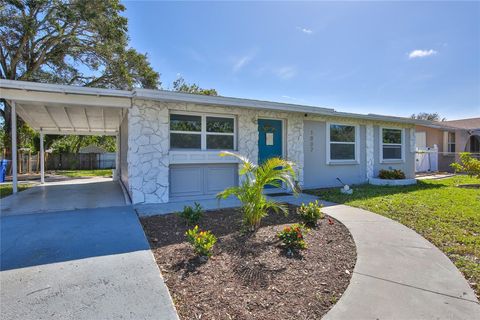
{"points": [[65, 109], [471, 123]]}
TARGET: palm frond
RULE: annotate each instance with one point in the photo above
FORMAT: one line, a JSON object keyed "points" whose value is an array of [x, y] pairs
{"points": [[232, 191]]}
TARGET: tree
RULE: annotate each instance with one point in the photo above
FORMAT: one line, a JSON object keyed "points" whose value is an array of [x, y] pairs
{"points": [[80, 42], [427, 116], [255, 205], [180, 85]]}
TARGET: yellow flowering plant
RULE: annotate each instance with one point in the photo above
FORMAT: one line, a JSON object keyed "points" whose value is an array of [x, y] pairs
{"points": [[201, 241]]}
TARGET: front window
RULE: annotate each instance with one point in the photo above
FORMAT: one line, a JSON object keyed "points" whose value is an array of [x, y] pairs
{"points": [[392, 144], [220, 133], [342, 142], [451, 142], [202, 132]]}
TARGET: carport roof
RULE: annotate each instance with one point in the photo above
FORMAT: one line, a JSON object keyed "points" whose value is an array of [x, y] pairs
{"points": [[55, 109], [62, 109]]}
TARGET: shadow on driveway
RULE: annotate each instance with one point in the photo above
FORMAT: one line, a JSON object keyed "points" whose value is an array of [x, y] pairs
{"points": [[44, 238]]}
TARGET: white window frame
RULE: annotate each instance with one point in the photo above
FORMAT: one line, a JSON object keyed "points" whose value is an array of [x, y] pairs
{"points": [[402, 145], [450, 143], [356, 160], [203, 133]]}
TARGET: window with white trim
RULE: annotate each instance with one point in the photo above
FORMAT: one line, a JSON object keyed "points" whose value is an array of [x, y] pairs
{"points": [[341, 141], [451, 142], [392, 144], [202, 132]]}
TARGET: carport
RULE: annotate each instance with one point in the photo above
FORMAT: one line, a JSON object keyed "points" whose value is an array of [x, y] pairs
{"points": [[63, 110]]}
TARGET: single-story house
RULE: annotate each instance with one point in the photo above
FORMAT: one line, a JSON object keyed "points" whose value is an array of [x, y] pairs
{"points": [[448, 139], [169, 142]]}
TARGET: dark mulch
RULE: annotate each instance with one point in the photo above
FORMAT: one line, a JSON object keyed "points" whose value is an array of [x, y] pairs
{"points": [[250, 276]]}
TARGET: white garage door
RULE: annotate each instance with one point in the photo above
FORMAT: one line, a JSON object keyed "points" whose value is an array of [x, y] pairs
{"points": [[188, 181]]}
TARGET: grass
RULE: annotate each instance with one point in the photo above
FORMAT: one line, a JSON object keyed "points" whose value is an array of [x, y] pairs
{"points": [[85, 173], [446, 215], [6, 189]]}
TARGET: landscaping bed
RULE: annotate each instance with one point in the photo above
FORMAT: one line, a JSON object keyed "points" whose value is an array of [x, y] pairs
{"points": [[249, 275]]}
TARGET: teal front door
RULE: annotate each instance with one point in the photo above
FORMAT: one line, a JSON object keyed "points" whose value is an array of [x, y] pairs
{"points": [[270, 142]]}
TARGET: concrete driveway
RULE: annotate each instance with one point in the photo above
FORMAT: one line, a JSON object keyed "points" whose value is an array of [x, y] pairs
{"points": [[65, 195], [82, 264]]}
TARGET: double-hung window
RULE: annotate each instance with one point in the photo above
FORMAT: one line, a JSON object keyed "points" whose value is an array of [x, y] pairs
{"points": [[392, 144], [341, 143], [451, 142], [202, 132]]}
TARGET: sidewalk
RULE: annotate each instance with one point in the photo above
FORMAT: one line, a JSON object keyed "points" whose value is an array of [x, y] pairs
{"points": [[399, 274]]}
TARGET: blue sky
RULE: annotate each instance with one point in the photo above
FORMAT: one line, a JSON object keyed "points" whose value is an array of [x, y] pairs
{"points": [[366, 57]]}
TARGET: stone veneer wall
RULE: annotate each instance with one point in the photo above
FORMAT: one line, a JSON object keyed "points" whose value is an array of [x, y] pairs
{"points": [[148, 143]]}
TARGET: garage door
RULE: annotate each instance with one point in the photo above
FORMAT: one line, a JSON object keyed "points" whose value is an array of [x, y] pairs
{"points": [[201, 181]]}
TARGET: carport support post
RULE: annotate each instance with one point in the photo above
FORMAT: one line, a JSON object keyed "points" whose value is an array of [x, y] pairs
{"points": [[42, 159], [14, 148], [117, 157]]}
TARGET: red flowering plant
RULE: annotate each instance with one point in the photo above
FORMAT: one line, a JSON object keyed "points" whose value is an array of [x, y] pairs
{"points": [[293, 237]]}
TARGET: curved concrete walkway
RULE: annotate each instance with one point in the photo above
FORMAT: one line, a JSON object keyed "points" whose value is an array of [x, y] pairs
{"points": [[399, 274]]}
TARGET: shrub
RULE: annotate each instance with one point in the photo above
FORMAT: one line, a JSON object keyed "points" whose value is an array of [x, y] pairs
{"points": [[468, 164], [292, 237], [191, 215], [391, 174], [201, 241], [310, 213], [255, 205]]}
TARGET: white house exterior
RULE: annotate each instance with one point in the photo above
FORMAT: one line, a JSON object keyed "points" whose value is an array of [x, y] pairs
{"points": [[169, 142]]}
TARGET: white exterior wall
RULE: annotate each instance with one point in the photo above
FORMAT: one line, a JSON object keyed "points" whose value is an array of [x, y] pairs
{"points": [[148, 144]]}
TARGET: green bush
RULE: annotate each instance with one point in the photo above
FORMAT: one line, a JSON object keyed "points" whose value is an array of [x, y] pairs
{"points": [[391, 174], [201, 241], [292, 237], [467, 164], [274, 172], [310, 213], [191, 215]]}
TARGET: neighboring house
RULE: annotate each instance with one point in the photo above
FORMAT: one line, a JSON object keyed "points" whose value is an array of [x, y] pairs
{"points": [[449, 139], [169, 142]]}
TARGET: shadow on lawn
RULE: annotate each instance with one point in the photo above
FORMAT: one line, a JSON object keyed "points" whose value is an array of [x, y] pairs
{"points": [[367, 191]]}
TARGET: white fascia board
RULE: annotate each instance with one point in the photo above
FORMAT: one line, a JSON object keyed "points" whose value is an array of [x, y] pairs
{"points": [[58, 88], [169, 96]]}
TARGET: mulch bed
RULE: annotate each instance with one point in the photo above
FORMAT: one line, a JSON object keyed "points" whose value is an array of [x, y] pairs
{"points": [[250, 276]]}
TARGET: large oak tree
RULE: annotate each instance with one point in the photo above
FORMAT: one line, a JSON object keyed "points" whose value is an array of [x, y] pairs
{"points": [[79, 42]]}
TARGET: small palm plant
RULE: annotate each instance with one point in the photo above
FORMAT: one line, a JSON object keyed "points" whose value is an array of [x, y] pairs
{"points": [[255, 205]]}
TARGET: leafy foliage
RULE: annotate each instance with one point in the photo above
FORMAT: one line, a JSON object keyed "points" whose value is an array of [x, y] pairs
{"points": [[201, 241], [310, 213], [292, 237], [180, 85], [71, 42], [391, 174], [190, 214], [467, 164], [255, 205], [434, 116]]}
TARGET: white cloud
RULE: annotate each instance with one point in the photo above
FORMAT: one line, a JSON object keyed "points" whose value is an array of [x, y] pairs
{"points": [[421, 53], [305, 30], [285, 72], [241, 62]]}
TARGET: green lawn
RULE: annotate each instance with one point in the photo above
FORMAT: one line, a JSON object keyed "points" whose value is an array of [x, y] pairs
{"points": [[445, 214], [6, 189], [85, 173]]}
